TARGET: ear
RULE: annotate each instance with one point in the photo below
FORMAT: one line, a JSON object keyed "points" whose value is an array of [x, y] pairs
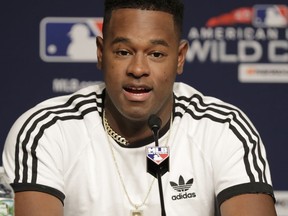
{"points": [[182, 50], [99, 43]]}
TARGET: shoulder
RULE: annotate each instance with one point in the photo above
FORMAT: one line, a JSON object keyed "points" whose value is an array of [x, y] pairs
{"points": [[76, 99], [194, 108], [186, 92], [196, 102], [93, 91], [56, 109]]}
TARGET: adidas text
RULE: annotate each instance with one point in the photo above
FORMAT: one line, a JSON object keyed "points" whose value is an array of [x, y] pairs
{"points": [[184, 196]]}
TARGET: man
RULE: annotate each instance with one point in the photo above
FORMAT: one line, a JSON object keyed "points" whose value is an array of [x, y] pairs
{"points": [[84, 154]]}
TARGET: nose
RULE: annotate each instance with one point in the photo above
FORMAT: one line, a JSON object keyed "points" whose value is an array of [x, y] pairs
{"points": [[138, 66]]}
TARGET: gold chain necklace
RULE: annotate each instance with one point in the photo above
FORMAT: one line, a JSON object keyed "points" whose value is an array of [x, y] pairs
{"points": [[112, 133], [136, 211]]}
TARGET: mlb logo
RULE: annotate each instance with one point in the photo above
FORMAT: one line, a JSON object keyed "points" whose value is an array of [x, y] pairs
{"points": [[69, 39], [157, 154], [270, 16]]}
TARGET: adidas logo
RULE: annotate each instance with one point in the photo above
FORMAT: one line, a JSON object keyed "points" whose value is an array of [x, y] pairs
{"points": [[181, 187]]}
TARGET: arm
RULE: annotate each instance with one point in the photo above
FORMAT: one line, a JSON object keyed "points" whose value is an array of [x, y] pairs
{"points": [[249, 205], [45, 168], [37, 204]]}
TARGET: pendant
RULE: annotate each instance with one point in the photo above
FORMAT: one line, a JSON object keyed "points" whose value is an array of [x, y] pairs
{"points": [[136, 213]]}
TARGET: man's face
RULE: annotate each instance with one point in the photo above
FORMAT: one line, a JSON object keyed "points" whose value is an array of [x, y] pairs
{"points": [[140, 56]]}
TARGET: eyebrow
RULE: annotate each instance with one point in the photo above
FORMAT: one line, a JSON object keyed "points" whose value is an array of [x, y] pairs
{"points": [[159, 42], [120, 40], [153, 41]]}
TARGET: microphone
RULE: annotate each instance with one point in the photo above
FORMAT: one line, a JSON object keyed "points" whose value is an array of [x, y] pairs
{"points": [[157, 158], [154, 122], [158, 162]]}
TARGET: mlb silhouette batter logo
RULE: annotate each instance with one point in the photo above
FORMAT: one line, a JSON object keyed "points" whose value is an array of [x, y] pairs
{"points": [[258, 15], [271, 16], [69, 39]]}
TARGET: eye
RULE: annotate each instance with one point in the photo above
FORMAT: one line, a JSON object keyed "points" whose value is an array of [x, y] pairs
{"points": [[157, 54], [122, 53]]}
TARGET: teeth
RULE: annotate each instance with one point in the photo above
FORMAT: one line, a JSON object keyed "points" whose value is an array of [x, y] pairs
{"points": [[135, 89]]}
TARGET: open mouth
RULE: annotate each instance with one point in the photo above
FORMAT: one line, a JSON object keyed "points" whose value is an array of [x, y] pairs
{"points": [[137, 90]]}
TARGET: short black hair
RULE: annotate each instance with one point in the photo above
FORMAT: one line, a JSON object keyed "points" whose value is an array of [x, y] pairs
{"points": [[173, 7]]}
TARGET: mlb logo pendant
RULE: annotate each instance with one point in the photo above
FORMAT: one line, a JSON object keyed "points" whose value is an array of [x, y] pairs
{"points": [[157, 154], [157, 160], [136, 213]]}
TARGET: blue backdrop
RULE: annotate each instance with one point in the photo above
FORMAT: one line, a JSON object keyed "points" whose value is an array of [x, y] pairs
{"points": [[238, 53]]}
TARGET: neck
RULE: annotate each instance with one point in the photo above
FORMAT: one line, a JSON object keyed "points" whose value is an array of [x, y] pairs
{"points": [[131, 130]]}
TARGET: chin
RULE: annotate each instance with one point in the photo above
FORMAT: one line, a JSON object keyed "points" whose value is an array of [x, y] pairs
{"points": [[136, 115]]}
